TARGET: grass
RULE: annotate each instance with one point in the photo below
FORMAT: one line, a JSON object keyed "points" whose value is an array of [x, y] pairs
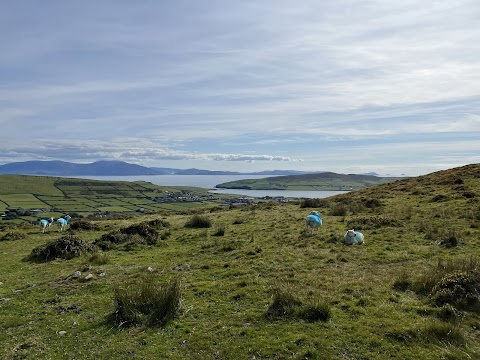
{"points": [[373, 301], [146, 302]]}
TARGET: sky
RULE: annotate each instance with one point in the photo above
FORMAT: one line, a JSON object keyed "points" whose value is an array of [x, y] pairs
{"points": [[349, 86]]}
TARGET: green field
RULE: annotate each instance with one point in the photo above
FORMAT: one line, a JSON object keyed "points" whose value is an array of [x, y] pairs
{"points": [[262, 288], [85, 197]]}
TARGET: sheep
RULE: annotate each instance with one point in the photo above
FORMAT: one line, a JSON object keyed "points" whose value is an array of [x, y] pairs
{"points": [[62, 222], [353, 237], [313, 221], [45, 224]]}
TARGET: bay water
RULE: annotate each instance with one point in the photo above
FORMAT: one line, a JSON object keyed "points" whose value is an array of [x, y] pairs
{"points": [[210, 181]]}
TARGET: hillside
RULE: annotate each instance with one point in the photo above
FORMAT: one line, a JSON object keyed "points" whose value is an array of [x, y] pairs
{"points": [[317, 181], [254, 285], [53, 196]]}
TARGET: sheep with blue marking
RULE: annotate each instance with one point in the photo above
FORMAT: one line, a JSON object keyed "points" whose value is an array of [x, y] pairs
{"points": [[313, 222], [353, 237], [45, 224], [62, 222]]}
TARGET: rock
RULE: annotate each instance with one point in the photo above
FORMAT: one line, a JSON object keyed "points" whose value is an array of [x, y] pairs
{"points": [[89, 277], [102, 274], [150, 269], [76, 274], [62, 332]]}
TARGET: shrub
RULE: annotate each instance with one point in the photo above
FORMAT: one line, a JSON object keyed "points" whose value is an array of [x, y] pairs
{"points": [[12, 235], [371, 222], [129, 237], [83, 225], [146, 302], [439, 198], [314, 203], [371, 203], [454, 282], [338, 210], [67, 247], [198, 222], [460, 288]]}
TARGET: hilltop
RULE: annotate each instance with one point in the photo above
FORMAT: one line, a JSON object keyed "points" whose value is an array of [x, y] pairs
{"points": [[252, 284]]}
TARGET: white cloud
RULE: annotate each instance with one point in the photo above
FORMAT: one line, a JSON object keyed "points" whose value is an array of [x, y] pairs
{"points": [[223, 71]]}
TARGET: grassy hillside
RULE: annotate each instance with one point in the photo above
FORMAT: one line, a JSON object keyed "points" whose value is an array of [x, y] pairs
{"points": [[322, 181], [254, 285], [57, 196]]}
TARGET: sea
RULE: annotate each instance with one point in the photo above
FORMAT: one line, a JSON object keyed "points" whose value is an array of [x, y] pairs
{"points": [[210, 181]]}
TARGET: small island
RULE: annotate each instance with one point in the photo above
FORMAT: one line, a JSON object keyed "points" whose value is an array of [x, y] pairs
{"points": [[327, 181]]}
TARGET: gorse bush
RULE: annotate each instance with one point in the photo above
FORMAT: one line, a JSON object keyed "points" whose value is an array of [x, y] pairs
{"points": [[146, 302], [455, 282], [198, 222]]}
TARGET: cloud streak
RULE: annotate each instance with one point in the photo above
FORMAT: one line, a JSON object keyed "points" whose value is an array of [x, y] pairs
{"points": [[224, 83]]}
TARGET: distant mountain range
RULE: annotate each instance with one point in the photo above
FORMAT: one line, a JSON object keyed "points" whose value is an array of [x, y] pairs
{"points": [[115, 168]]}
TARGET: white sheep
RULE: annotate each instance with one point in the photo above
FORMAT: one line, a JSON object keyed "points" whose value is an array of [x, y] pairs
{"points": [[62, 222], [353, 237], [45, 224], [313, 222]]}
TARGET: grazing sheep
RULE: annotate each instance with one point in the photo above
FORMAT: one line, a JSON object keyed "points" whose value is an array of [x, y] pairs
{"points": [[45, 224], [353, 237], [62, 222], [313, 221]]}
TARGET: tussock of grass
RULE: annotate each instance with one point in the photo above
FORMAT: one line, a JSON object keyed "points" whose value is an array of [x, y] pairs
{"points": [[285, 305], [146, 302], [67, 247], [99, 258], [220, 231], [198, 222]]}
